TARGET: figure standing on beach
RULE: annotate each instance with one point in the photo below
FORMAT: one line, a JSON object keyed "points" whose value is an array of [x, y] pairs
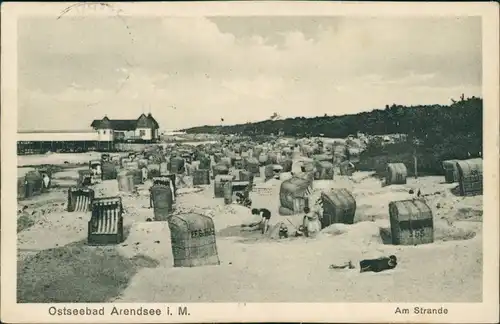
{"points": [[144, 172], [311, 222], [46, 181], [98, 172]]}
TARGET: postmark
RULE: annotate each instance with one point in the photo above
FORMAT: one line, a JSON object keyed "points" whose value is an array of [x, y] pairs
{"points": [[91, 10], [84, 9]]}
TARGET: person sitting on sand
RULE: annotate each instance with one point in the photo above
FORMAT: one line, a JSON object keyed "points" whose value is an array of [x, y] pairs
{"points": [[283, 231], [243, 200], [98, 170], [181, 174], [188, 168], [278, 231], [301, 230], [96, 173], [263, 223], [239, 197]]}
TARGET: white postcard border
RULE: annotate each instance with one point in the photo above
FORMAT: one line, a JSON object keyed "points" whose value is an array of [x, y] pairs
{"points": [[487, 311]]}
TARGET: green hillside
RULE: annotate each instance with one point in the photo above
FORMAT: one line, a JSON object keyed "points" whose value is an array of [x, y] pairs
{"points": [[464, 116]]}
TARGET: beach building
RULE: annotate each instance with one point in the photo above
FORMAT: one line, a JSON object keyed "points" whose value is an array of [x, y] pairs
{"points": [[144, 129], [102, 136]]}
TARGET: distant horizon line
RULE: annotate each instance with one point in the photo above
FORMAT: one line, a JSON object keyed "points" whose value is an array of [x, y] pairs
{"points": [[20, 131]]}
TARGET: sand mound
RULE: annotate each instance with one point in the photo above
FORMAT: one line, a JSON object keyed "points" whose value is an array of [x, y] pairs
{"points": [[28, 215], [371, 213], [230, 215], [24, 221], [252, 264], [363, 234], [151, 239], [336, 229], [52, 230], [443, 231], [238, 231], [468, 214], [75, 274]]}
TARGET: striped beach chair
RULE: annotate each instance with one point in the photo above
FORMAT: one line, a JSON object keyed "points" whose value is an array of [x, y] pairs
{"points": [[106, 224], [80, 199]]}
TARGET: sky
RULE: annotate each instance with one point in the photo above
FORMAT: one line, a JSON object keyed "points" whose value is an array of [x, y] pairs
{"points": [[193, 71]]}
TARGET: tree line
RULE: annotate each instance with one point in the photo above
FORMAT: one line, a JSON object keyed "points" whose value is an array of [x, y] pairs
{"points": [[438, 132], [431, 123]]}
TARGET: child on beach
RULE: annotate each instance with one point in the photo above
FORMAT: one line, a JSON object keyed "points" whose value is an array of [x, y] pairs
{"points": [[263, 223]]}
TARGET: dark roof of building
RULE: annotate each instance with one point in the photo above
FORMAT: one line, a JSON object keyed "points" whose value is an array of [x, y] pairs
{"points": [[125, 124], [144, 122], [155, 123]]}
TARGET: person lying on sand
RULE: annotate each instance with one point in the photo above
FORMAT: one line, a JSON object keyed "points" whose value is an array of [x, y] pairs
{"points": [[373, 265], [380, 264], [262, 224]]}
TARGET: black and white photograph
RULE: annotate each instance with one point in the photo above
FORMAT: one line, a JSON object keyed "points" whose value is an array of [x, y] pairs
{"points": [[319, 157]]}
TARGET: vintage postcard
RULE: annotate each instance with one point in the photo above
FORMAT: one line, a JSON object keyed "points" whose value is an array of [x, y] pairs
{"points": [[250, 162]]}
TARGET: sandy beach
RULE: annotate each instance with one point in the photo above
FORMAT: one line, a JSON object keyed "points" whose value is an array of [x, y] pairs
{"points": [[54, 260]]}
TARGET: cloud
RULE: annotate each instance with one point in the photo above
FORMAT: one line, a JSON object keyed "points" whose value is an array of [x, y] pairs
{"points": [[242, 69]]}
